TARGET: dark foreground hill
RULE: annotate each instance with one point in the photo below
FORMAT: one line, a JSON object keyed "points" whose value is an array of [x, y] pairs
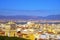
{"points": [[11, 38]]}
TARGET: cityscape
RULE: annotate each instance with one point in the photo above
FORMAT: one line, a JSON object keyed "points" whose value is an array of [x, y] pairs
{"points": [[30, 30], [29, 19]]}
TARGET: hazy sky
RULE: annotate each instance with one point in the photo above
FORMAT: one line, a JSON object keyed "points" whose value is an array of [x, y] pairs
{"points": [[30, 7]]}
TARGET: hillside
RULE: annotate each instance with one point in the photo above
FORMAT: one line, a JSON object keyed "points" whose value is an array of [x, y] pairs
{"points": [[23, 17]]}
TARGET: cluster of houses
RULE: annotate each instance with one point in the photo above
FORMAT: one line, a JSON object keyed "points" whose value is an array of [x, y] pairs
{"points": [[30, 30]]}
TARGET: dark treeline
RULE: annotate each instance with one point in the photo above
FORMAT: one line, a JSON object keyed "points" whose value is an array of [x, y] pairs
{"points": [[11, 38]]}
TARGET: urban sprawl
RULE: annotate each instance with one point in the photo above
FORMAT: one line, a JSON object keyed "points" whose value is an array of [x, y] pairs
{"points": [[31, 30]]}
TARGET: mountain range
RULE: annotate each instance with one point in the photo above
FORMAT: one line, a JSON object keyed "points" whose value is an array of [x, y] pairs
{"points": [[24, 17]]}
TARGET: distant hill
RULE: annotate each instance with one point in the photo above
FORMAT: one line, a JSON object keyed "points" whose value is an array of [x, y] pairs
{"points": [[23, 17], [53, 17]]}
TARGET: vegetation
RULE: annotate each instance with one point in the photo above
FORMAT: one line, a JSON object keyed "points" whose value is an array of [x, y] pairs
{"points": [[11, 38]]}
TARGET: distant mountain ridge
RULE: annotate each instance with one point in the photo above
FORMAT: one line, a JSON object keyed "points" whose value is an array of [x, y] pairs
{"points": [[24, 17]]}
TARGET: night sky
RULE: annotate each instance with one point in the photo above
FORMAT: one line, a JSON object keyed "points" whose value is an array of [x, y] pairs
{"points": [[29, 7]]}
